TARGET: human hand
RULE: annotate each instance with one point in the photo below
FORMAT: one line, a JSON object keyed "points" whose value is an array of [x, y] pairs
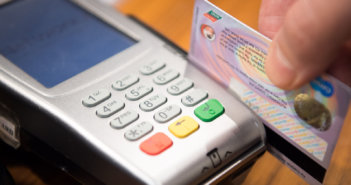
{"points": [[310, 37]]}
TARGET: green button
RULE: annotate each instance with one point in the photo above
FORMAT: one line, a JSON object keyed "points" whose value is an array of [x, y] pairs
{"points": [[209, 111]]}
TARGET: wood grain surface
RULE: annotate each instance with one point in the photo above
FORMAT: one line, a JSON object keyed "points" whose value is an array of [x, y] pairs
{"points": [[172, 18]]}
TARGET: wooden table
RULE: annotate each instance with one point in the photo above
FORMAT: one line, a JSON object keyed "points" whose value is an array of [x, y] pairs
{"points": [[172, 18]]}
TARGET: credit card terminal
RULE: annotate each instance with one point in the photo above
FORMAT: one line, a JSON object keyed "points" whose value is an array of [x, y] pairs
{"points": [[116, 100]]}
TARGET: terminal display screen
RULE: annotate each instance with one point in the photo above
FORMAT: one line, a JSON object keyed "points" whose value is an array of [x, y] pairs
{"points": [[53, 40]]}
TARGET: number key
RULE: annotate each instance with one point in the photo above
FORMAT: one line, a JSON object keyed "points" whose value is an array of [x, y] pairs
{"points": [[96, 97], [125, 82], [124, 119], [152, 67], [180, 87], [152, 103], [166, 77], [167, 113], [109, 108], [138, 92]]}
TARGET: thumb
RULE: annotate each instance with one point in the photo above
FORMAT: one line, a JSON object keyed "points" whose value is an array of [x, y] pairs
{"points": [[308, 41]]}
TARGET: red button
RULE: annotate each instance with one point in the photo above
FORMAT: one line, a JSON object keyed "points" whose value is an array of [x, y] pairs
{"points": [[156, 144]]}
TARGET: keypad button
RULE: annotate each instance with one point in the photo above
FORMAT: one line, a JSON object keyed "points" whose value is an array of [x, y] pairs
{"points": [[138, 92], [152, 67], [180, 87], [183, 127], [210, 110], [138, 131], [156, 144], [152, 103], [124, 119], [194, 97], [125, 82], [109, 108], [166, 77], [96, 97], [167, 113]]}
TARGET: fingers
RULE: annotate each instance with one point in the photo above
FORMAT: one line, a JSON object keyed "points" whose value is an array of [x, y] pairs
{"points": [[341, 68], [308, 42], [271, 16]]}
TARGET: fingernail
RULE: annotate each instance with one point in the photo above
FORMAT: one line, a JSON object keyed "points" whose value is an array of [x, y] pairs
{"points": [[279, 70]]}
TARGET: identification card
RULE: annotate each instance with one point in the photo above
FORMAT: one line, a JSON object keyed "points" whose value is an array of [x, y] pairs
{"points": [[302, 125]]}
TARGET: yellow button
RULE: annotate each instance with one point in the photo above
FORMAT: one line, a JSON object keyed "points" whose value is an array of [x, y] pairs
{"points": [[183, 127]]}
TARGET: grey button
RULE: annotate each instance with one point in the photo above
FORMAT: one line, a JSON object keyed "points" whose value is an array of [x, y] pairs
{"points": [[167, 113], [138, 131], [96, 97], [109, 108], [152, 67], [124, 119], [180, 87], [166, 77], [125, 82], [153, 102], [138, 92], [194, 97]]}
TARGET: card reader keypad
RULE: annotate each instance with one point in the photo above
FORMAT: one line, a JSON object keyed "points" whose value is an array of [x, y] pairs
{"points": [[183, 127], [109, 108], [194, 97], [152, 100], [152, 67], [96, 97], [124, 119], [180, 87], [138, 92], [138, 131], [166, 77], [167, 113], [125, 82]]}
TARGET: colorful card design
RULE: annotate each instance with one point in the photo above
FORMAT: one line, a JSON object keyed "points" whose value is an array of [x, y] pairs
{"points": [[309, 118]]}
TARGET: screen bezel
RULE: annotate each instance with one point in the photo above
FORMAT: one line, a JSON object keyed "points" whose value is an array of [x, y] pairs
{"points": [[142, 47]]}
